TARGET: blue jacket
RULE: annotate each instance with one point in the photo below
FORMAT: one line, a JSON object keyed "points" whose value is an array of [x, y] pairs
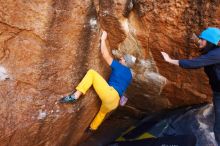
{"points": [[211, 64]]}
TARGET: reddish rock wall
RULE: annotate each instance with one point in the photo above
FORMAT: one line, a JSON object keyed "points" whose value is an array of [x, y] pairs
{"points": [[47, 46]]}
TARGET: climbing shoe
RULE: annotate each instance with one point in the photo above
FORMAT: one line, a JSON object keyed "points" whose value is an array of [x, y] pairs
{"points": [[68, 99]]}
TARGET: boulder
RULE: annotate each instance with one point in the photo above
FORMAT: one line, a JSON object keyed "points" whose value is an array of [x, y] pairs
{"points": [[46, 47]]}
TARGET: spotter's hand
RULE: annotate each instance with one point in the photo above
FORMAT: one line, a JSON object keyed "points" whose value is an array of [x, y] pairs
{"points": [[166, 56]]}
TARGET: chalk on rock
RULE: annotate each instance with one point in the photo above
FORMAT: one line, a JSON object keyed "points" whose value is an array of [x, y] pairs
{"points": [[93, 23], [41, 115], [3, 74]]}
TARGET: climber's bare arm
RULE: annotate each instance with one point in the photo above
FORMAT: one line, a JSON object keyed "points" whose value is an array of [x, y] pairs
{"points": [[105, 53]]}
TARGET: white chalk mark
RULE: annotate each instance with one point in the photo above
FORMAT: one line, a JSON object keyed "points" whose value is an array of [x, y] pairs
{"points": [[3, 73], [93, 23], [41, 115]]}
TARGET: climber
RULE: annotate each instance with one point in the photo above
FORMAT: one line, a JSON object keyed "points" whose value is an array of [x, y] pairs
{"points": [[210, 60], [110, 92]]}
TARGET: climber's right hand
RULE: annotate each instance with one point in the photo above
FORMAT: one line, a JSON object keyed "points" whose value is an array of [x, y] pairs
{"points": [[104, 35]]}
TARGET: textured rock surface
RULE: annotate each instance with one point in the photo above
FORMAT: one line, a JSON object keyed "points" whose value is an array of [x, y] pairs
{"points": [[47, 46]]}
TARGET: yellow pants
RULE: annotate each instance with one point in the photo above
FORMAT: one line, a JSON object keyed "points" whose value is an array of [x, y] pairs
{"points": [[108, 95]]}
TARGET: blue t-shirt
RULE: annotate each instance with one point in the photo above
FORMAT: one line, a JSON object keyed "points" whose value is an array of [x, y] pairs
{"points": [[120, 77]]}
